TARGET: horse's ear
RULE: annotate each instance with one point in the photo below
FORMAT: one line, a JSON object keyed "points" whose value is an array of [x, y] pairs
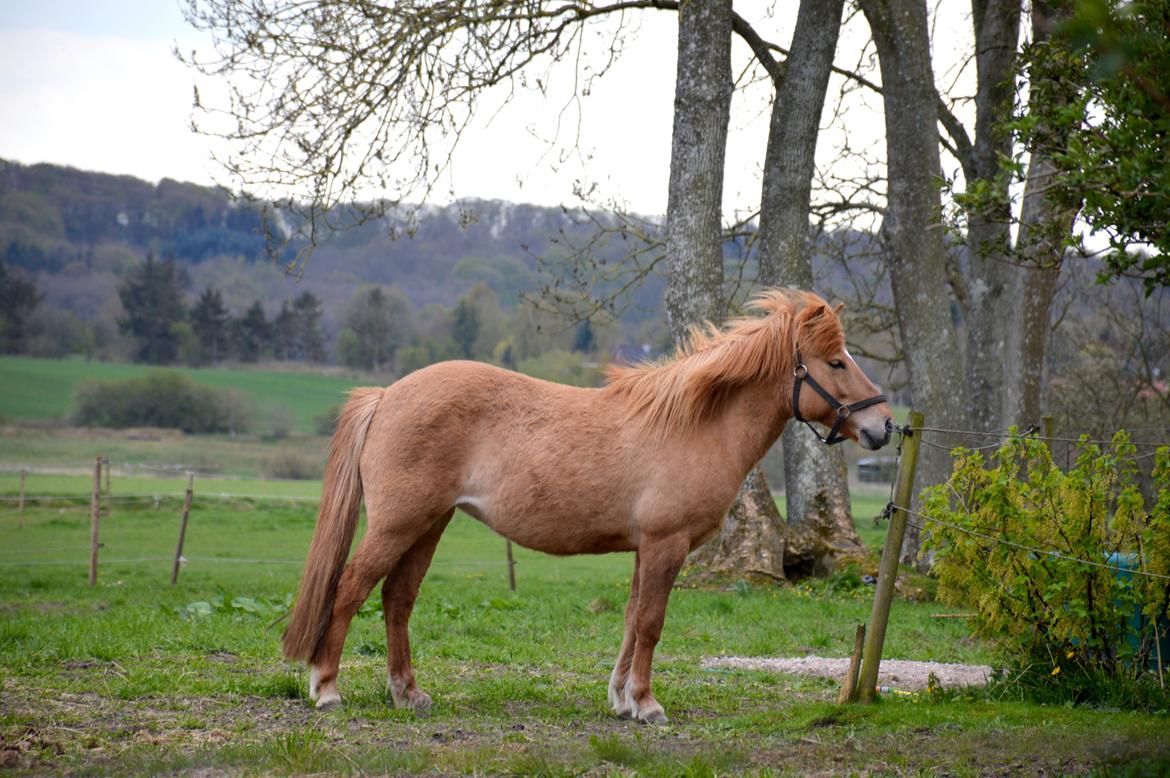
{"points": [[840, 307], [812, 312]]}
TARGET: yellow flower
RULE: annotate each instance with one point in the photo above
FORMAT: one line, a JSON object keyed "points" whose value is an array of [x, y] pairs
{"points": [[1056, 670], [1070, 654]]}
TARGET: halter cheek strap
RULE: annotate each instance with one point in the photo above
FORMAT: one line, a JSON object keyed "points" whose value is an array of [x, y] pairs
{"points": [[801, 375]]}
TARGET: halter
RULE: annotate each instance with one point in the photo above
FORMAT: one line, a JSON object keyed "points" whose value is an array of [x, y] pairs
{"points": [[800, 374]]}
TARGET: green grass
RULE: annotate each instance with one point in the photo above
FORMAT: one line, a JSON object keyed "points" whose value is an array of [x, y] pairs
{"points": [[42, 389], [124, 678]]}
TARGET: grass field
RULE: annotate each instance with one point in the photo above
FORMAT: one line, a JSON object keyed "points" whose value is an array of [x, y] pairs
{"points": [[39, 389], [135, 676]]}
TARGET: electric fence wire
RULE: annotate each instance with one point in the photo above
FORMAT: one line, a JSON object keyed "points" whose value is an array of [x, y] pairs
{"points": [[1005, 542]]}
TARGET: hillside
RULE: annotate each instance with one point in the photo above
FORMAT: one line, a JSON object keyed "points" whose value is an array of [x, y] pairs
{"points": [[78, 232]]}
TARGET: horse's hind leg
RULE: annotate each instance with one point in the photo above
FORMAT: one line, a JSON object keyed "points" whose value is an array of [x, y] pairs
{"points": [[399, 591], [621, 668], [376, 555]]}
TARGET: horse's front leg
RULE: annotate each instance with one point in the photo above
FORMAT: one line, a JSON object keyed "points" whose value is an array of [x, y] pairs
{"points": [[621, 669], [658, 565]]}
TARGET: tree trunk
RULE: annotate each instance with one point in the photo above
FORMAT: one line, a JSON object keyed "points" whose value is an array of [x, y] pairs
{"points": [[702, 109], [912, 232], [991, 313], [753, 538], [815, 475], [1044, 226]]}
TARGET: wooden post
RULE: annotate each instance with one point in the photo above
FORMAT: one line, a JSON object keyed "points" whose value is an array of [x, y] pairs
{"points": [[511, 566], [95, 512], [20, 504], [875, 634], [183, 526], [849, 682], [1049, 425]]}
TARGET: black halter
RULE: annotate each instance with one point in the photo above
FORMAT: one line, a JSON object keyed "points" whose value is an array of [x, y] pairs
{"points": [[800, 374]]}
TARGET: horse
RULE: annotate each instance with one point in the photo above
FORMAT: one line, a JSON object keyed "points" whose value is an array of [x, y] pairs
{"points": [[650, 462]]}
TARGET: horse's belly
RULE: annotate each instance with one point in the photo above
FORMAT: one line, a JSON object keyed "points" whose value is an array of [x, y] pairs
{"points": [[551, 530]]}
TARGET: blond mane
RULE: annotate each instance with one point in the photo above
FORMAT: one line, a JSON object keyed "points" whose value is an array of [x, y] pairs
{"points": [[679, 393]]}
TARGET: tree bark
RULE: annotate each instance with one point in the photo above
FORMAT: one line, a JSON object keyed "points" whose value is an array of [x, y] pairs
{"points": [[991, 313], [702, 109], [912, 232], [1044, 226], [816, 484]]}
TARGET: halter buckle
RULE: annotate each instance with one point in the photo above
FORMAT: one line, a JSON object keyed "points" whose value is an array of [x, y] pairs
{"points": [[800, 372]]}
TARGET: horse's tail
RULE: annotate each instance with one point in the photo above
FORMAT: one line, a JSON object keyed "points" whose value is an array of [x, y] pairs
{"points": [[341, 498]]}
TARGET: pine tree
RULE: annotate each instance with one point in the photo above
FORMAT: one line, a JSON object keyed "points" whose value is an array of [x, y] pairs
{"points": [[251, 334], [18, 298], [308, 333], [284, 334], [465, 329], [375, 327], [209, 321], [152, 298]]}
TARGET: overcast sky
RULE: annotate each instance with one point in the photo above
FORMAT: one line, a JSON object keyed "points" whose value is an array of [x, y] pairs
{"points": [[94, 85]]}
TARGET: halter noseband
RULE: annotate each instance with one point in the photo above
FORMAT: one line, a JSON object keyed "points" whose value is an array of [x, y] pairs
{"points": [[800, 375]]}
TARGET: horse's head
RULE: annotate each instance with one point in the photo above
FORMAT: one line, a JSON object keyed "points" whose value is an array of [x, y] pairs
{"points": [[828, 387]]}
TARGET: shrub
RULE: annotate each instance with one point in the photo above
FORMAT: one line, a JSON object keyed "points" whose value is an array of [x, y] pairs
{"points": [[293, 467], [1052, 617], [159, 399], [326, 423], [278, 421]]}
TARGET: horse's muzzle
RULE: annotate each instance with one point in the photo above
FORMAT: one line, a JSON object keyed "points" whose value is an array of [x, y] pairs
{"points": [[874, 441]]}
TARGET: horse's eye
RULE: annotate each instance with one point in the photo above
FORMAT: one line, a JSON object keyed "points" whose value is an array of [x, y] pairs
{"points": [[837, 364]]}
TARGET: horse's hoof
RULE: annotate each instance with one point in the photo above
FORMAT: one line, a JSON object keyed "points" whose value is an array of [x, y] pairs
{"points": [[328, 700], [652, 715], [314, 685], [623, 711], [420, 702]]}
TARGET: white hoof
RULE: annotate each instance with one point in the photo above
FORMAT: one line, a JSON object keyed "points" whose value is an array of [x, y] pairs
{"points": [[328, 700], [623, 703], [613, 694]]}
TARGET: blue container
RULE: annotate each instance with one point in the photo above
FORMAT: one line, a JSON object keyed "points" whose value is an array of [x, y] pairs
{"points": [[1138, 625]]}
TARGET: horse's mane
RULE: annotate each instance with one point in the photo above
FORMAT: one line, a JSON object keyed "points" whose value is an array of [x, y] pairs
{"points": [[677, 394]]}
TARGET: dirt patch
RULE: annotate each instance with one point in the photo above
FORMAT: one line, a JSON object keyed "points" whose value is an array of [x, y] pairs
{"points": [[895, 673]]}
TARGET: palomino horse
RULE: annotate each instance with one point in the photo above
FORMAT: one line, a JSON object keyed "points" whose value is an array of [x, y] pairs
{"points": [[649, 463]]}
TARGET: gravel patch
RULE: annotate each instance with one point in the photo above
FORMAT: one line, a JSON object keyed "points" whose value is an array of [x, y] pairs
{"points": [[896, 673]]}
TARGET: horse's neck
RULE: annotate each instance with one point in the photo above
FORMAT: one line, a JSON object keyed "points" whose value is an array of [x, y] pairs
{"points": [[754, 418]]}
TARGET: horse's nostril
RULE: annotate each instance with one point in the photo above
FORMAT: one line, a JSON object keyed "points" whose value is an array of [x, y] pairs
{"points": [[889, 426]]}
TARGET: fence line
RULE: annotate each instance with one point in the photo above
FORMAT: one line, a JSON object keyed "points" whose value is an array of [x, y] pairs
{"points": [[160, 496], [45, 549], [1021, 546], [1047, 438], [215, 560]]}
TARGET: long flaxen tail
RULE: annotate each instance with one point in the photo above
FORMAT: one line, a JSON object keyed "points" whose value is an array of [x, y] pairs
{"points": [[341, 498]]}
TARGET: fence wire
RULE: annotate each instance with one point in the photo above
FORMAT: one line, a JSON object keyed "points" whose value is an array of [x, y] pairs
{"points": [[891, 506]]}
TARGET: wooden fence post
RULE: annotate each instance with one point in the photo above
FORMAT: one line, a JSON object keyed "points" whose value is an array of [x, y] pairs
{"points": [[511, 567], [20, 505], [183, 526], [875, 634], [849, 682], [95, 512]]}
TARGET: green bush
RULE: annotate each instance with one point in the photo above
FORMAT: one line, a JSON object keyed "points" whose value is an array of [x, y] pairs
{"points": [[1057, 621], [288, 465], [161, 399], [326, 423]]}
